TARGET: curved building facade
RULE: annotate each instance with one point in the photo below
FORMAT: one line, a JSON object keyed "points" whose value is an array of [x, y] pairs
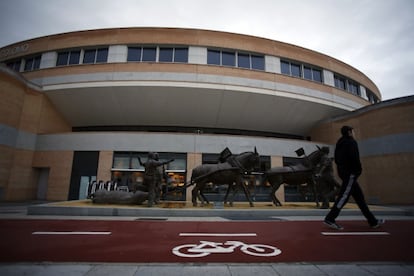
{"points": [[82, 106]]}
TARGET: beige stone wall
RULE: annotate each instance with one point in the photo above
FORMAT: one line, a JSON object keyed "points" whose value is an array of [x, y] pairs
{"points": [[204, 38], [28, 110], [105, 165], [22, 183], [60, 165], [386, 179]]}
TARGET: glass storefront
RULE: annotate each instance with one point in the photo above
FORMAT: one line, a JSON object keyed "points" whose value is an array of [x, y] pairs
{"points": [[127, 171]]}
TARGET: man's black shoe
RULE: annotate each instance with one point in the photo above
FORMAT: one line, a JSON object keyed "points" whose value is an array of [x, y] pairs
{"points": [[378, 224], [333, 225]]}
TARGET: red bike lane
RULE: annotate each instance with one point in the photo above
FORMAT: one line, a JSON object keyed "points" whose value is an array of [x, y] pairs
{"points": [[232, 241]]}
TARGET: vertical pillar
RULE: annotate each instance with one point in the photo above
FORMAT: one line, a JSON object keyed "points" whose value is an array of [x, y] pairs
{"points": [[193, 160], [105, 165], [277, 161]]}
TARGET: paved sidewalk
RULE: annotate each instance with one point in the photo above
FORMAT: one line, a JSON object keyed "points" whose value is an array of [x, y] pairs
{"points": [[346, 269]]}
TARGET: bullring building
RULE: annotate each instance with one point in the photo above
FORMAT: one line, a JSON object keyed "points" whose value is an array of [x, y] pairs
{"points": [[83, 106]]}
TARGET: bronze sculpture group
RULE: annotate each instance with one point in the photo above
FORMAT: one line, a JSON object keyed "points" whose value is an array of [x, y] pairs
{"points": [[314, 170]]}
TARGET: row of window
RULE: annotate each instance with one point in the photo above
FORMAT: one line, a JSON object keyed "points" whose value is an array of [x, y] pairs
{"points": [[235, 59], [31, 63], [90, 56], [164, 54], [299, 70], [347, 84], [180, 55]]}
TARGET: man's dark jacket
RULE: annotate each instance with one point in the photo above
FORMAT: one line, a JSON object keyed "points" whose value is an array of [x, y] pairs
{"points": [[347, 157]]}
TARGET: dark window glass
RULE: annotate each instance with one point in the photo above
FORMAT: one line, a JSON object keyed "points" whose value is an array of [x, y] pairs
{"points": [[181, 55], [36, 63], [285, 67], [295, 68], [166, 54], [353, 87], [134, 54], [339, 82], [228, 59], [102, 55], [74, 57], [317, 75], [15, 65], [243, 60], [89, 56], [28, 65], [258, 62], [307, 73], [149, 53], [62, 59], [213, 57]]}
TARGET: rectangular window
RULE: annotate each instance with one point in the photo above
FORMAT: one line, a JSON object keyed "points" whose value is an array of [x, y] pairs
{"points": [[149, 53], [243, 60], [89, 56], [95, 56], [62, 59], [317, 75], [181, 55], [295, 70], [32, 63], [36, 63], [65, 58], [307, 73], [166, 54], [353, 87], [285, 67], [14, 65], [74, 57], [213, 57], [28, 65], [312, 74], [134, 54], [339, 82], [102, 55], [228, 58], [257, 62]]}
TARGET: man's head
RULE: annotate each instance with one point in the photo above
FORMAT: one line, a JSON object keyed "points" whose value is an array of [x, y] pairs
{"points": [[347, 131]]}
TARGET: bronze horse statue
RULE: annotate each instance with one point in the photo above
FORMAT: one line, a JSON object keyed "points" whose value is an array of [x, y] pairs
{"points": [[298, 174], [228, 172]]}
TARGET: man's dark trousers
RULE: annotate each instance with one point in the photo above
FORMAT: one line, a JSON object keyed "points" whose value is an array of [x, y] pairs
{"points": [[350, 187]]}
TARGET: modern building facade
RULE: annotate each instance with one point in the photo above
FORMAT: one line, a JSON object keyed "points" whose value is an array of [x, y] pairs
{"points": [[83, 106]]}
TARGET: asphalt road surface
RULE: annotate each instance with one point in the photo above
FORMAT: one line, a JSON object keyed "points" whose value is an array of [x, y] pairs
{"points": [[222, 242]]}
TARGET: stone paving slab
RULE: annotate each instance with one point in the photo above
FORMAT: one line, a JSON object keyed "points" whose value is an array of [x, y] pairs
{"points": [[84, 209], [284, 269]]}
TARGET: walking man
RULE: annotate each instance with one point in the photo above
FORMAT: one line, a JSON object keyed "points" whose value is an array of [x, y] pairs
{"points": [[349, 169]]}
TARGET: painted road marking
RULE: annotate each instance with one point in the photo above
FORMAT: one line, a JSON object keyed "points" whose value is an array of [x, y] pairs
{"points": [[355, 233], [217, 234], [70, 233]]}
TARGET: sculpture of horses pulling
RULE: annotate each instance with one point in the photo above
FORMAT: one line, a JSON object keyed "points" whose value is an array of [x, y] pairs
{"points": [[298, 174], [229, 172]]}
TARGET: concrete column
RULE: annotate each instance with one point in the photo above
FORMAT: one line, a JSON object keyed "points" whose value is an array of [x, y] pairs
{"points": [[193, 160], [272, 64], [328, 78], [117, 53], [277, 161], [48, 60], [105, 165], [197, 55]]}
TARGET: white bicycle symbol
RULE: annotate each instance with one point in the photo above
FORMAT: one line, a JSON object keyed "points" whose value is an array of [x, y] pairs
{"points": [[206, 248]]}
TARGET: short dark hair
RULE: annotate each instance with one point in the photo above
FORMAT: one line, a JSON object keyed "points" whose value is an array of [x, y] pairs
{"points": [[345, 130]]}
